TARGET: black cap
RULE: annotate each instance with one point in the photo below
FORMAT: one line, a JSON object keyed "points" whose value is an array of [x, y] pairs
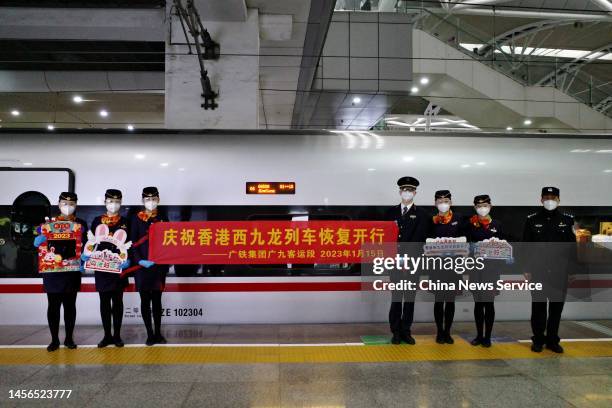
{"points": [[442, 194], [68, 196], [408, 182], [550, 191], [150, 192], [112, 193], [481, 199]]}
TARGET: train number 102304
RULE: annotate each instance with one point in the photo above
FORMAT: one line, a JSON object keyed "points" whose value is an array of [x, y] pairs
{"points": [[183, 312]]}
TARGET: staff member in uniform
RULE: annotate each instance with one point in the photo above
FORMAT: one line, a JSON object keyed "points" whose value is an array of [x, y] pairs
{"points": [[150, 278], [481, 227], [62, 287], [552, 226], [412, 222], [445, 224], [110, 286]]}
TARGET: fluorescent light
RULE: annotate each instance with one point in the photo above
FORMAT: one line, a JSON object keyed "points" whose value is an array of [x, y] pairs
{"points": [[465, 166], [77, 99], [605, 171], [481, 163], [604, 151], [509, 128], [356, 99], [104, 113], [15, 112], [371, 169], [27, 163], [130, 127], [139, 156], [580, 151], [424, 81], [414, 89], [407, 158], [181, 169], [527, 122], [164, 164], [50, 127]]}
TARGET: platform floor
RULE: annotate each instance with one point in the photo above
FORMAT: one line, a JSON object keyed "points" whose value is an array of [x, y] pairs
{"points": [[310, 366]]}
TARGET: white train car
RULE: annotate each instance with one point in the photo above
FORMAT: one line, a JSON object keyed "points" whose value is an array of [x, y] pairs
{"points": [[338, 175]]}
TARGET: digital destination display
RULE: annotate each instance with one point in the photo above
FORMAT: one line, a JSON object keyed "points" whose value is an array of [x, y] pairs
{"points": [[270, 187]]}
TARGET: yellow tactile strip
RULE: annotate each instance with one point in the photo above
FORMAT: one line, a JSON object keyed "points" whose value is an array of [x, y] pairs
{"points": [[461, 350]]}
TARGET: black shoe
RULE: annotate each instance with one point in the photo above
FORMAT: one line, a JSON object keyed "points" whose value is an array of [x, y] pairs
{"points": [[555, 348], [486, 342], [70, 344], [118, 342], [537, 347], [396, 339], [448, 339], [159, 339], [477, 341], [440, 338], [150, 341], [105, 342], [53, 346], [408, 339]]}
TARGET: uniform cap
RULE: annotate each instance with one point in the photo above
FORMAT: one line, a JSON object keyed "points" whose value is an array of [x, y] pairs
{"points": [[112, 193], [481, 199], [442, 194], [408, 182], [150, 192], [550, 191], [68, 196]]}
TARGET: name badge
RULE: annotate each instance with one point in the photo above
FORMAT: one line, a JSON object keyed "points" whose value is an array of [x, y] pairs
{"points": [[493, 230], [413, 216], [454, 223]]}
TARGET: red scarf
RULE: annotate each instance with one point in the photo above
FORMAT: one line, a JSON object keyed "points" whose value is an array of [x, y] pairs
{"points": [[443, 219], [111, 220], [485, 222], [144, 216], [66, 217]]}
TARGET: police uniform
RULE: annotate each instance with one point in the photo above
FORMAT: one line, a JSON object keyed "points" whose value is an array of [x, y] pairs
{"points": [[110, 286], [479, 229], [447, 226], [412, 222], [150, 281], [62, 288], [550, 226]]}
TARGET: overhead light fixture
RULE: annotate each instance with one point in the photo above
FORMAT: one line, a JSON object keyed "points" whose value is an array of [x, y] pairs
{"points": [[104, 113], [509, 128], [465, 166], [414, 89], [371, 169], [139, 156], [27, 163], [164, 164], [407, 158], [481, 163], [77, 99], [356, 99], [50, 127], [424, 81], [181, 169], [527, 122], [608, 171], [15, 112], [604, 151], [130, 127]]}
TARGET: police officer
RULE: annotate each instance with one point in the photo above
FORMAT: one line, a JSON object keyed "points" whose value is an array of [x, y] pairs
{"points": [[110, 286], [480, 227], [412, 222], [445, 224], [150, 278], [551, 226], [62, 287]]}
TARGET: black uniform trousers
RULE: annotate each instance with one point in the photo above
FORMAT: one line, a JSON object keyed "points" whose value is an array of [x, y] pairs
{"points": [[401, 313], [55, 302], [545, 321]]}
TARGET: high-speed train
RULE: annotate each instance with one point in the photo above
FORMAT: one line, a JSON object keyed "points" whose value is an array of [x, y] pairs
{"points": [[201, 175]]}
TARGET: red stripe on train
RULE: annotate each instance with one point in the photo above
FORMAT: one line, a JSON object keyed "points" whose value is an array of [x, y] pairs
{"points": [[259, 286]]}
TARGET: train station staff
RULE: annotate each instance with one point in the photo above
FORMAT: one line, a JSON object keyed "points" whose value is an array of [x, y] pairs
{"points": [[150, 278], [445, 224], [549, 225], [480, 227], [110, 286], [412, 222], [62, 287]]}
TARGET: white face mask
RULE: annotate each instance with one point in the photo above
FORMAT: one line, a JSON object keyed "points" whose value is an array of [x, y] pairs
{"points": [[407, 195], [150, 205], [443, 207], [67, 210], [113, 208], [551, 205], [483, 211]]}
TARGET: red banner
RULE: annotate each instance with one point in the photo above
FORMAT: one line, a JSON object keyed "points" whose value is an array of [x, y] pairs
{"points": [[270, 242]]}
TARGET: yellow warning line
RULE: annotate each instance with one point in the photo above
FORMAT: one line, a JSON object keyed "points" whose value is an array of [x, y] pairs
{"points": [[427, 351]]}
